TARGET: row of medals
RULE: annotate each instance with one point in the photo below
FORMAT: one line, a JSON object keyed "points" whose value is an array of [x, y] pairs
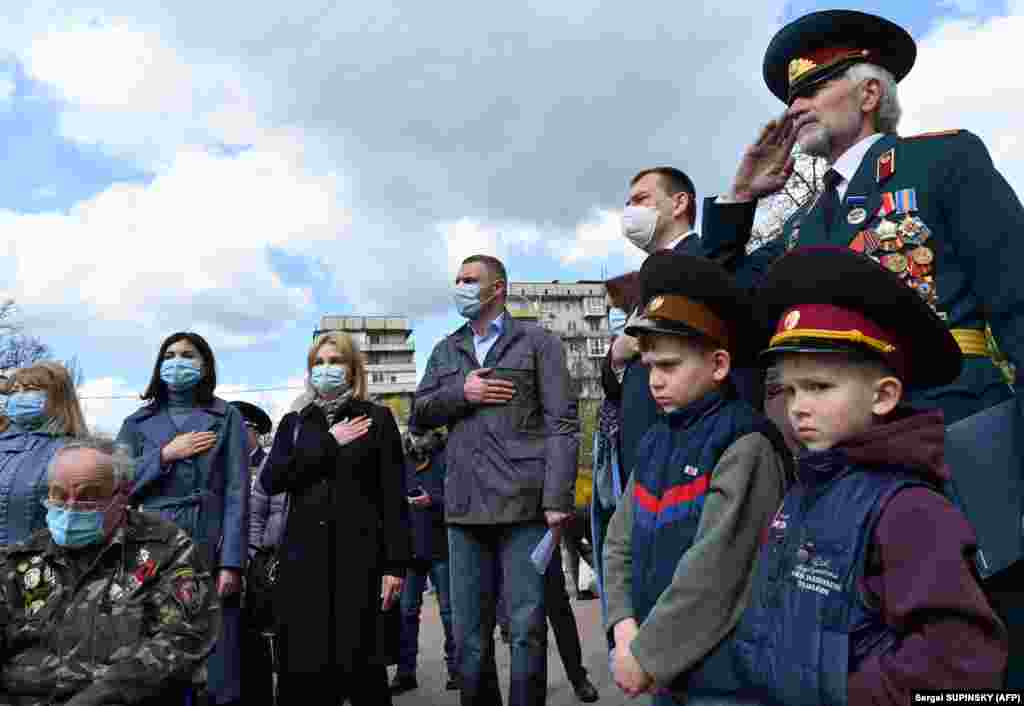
{"points": [[900, 248]]}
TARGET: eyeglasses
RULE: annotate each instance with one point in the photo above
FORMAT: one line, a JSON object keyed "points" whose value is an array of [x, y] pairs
{"points": [[77, 505]]}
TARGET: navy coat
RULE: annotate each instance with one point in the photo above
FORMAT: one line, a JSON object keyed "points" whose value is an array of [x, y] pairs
{"points": [[24, 456], [429, 534], [206, 495]]}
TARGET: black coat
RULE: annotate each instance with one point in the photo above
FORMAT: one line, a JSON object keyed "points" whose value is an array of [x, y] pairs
{"points": [[430, 535], [347, 525]]}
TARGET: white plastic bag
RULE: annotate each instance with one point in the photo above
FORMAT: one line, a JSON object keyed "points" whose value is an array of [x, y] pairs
{"points": [[588, 579], [542, 553]]}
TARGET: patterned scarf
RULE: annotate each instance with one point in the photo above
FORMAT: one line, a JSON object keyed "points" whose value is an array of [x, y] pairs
{"points": [[331, 408]]}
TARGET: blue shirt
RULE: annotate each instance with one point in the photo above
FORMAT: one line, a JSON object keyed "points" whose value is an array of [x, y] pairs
{"points": [[483, 344]]}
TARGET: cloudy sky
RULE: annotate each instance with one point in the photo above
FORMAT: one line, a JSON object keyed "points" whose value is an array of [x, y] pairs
{"points": [[241, 169]]}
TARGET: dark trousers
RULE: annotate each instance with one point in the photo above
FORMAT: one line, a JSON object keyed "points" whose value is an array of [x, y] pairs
{"points": [[478, 555], [1005, 594], [563, 621], [365, 686], [412, 602]]}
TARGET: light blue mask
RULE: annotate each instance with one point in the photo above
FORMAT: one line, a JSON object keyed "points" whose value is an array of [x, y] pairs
{"points": [[328, 378], [74, 528], [180, 373], [27, 409], [617, 321], [467, 300]]}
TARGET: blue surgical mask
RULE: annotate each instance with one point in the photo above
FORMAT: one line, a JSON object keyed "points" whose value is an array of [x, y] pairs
{"points": [[180, 373], [467, 299], [617, 321], [326, 379], [27, 409], [74, 528]]}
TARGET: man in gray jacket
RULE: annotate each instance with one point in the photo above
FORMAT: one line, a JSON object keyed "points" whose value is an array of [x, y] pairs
{"points": [[502, 388]]}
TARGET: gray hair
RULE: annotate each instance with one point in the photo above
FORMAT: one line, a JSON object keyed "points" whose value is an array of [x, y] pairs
{"points": [[888, 116], [121, 465]]}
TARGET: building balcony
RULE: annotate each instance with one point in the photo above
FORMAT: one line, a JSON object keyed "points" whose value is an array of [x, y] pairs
{"points": [[392, 368], [407, 347]]}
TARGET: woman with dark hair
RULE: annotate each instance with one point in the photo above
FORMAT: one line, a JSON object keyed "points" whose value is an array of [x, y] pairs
{"points": [[194, 471], [346, 541]]}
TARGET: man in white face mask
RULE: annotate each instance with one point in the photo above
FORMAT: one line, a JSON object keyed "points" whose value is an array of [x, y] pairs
{"points": [[660, 211], [659, 215]]}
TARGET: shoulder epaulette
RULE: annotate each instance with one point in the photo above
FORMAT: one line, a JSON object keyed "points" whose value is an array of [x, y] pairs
{"points": [[937, 133]]}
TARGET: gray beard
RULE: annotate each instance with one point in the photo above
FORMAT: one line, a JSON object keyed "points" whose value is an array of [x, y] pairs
{"points": [[818, 143]]}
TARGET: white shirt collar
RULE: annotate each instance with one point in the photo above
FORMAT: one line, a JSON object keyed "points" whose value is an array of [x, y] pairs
{"points": [[849, 162], [680, 239]]}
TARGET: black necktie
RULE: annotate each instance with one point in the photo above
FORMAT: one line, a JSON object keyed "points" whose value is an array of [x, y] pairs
{"points": [[830, 198]]}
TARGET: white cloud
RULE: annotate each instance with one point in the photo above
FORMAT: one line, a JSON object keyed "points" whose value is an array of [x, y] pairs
{"points": [[984, 94], [7, 88], [188, 249], [598, 238]]}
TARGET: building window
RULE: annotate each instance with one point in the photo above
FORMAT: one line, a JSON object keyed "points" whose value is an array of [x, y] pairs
{"points": [[575, 347], [595, 346], [594, 324], [572, 325], [377, 377], [595, 305], [373, 339]]}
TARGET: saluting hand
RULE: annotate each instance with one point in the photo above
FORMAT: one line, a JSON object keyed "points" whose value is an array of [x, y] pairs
{"points": [[348, 430], [478, 390], [768, 163], [187, 445]]}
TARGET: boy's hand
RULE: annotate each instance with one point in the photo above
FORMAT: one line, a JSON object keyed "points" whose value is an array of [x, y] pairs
{"points": [[629, 675]]}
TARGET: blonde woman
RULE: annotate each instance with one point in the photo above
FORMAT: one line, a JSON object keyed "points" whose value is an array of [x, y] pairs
{"points": [[346, 540], [42, 414]]}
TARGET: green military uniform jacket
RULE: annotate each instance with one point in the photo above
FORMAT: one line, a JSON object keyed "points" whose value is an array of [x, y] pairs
{"points": [[110, 624], [961, 249]]}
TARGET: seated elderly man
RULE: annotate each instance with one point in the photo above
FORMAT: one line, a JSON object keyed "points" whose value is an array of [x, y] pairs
{"points": [[105, 605]]}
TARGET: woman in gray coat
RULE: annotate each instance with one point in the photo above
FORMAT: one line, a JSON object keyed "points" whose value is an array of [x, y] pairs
{"points": [[41, 415]]}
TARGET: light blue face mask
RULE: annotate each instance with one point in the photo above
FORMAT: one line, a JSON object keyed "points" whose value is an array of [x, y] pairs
{"points": [[27, 409], [467, 300], [74, 528], [617, 321], [328, 378], [180, 373]]}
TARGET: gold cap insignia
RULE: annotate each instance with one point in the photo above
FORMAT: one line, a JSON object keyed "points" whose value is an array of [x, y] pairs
{"points": [[792, 319], [655, 304], [798, 67]]}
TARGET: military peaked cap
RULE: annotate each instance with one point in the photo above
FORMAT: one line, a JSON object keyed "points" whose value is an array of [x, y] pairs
{"points": [[821, 45], [685, 295], [834, 300]]}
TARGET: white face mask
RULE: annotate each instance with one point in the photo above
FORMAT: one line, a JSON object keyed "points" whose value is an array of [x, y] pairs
{"points": [[638, 226]]}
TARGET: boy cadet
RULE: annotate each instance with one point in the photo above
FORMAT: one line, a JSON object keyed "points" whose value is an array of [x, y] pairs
{"points": [[706, 478], [866, 588]]}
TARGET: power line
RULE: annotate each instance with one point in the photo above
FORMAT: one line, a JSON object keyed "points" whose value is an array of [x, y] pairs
{"points": [[233, 392]]}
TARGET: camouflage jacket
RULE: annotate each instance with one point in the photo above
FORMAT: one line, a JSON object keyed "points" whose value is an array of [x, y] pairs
{"points": [[104, 625]]}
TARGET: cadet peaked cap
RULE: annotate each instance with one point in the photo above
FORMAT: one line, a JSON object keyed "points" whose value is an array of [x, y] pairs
{"points": [[254, 415], [684, 295], [833, 300], [821, 45]]}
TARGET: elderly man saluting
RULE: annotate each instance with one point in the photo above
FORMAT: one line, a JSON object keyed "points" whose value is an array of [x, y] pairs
{"points": [[106, 605]]}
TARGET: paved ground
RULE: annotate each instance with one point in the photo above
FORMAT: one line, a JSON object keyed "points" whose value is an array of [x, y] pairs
{"points": [[431, 673]]}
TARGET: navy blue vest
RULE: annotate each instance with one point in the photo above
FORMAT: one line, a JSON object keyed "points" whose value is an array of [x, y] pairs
{"points": [[676, 459], [808, 625]]}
